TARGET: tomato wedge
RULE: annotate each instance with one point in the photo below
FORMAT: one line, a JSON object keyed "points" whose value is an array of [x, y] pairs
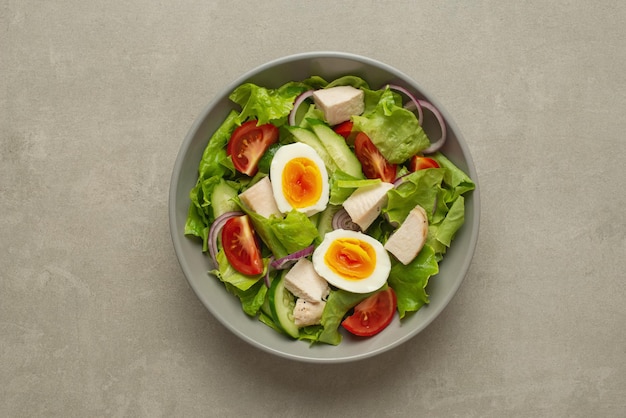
{"points": [[420, 163], [375, 166], [241, 246], [344, 129], [248, 143], [373, 314]]}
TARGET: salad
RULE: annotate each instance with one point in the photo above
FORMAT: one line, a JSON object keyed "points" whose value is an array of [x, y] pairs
{"points": [[326, 205]]}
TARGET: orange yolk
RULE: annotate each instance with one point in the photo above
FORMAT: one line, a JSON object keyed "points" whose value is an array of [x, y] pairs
{"points": [[351, 258], [302, 182]]}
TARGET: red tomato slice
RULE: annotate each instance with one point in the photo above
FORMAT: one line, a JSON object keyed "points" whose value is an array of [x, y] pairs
{"points": [[344, 129], [373, 314], [248, 143], [241, 246], [375, 166], [420, 163]]}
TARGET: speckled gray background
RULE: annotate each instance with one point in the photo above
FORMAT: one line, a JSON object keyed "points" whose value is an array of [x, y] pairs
{"points": [[96, 318]]}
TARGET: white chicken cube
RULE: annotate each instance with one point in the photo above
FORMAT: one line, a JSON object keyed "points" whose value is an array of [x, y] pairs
{"points": [[260, 198], [407, 241], [339, 103], [304, 282], [366, 203], [307, 313]]}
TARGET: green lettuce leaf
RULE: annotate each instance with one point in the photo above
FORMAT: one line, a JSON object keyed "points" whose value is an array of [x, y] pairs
{"points": [[337, 306], [349, 80], [269, 321], [284, 236], [295, 231], [263, 228], [419, 188], [394, 130], [250, 290], [214, 160], [267, 105], [311, 333], [409, 282], [452, 222], [315, 82], [196, 223], [454, 177], [213, 166], [251, 299], [227, 274]]}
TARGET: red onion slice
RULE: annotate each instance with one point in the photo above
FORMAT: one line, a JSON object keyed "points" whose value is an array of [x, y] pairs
{"points": [[412, 98], [296, 104], [266, 278], [435, 146], [399, 181], [287, 261], [214, 232], [342, 220]]}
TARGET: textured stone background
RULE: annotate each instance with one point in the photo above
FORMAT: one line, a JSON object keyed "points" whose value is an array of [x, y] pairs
{"points": [[97, 319]]}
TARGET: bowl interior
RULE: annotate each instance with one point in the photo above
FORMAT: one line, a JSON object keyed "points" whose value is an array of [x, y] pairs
{"points": [[225, 307]]}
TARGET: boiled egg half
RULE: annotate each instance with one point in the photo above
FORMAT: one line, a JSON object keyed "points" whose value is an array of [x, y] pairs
{"points": [[352, 261], [299, 179]]}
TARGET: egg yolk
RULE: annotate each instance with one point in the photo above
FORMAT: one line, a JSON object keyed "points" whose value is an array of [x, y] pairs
{"points": [[302, 182], [351, 258]]}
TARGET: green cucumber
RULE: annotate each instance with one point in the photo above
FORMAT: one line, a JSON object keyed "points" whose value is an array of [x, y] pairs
{"points": [[266, 160], [325, 220], [222, 198], [282, 303], [309, 138], [338, 150], [265, 308], [266, 316]]}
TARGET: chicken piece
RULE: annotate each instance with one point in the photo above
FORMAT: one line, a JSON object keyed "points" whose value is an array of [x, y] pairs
{"points": [[366, 203], [407, 241], [307, 313], [304, 282], [260, 198]]}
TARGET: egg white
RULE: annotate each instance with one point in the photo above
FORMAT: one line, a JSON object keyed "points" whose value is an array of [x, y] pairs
{"points": [[368, 284], [280, 160]]}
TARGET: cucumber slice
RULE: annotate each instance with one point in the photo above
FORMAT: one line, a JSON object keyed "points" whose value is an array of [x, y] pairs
{"points": [[338, 150], [282, 303], [325, 220], [266, 316], [266, 159], [222, 199], [309, 138]]}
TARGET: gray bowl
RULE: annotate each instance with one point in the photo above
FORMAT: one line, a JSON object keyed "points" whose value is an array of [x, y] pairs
{"points": [[226, 307]]}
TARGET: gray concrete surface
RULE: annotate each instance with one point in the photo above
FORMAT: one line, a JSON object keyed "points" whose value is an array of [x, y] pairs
{"points": [[96, 317]]}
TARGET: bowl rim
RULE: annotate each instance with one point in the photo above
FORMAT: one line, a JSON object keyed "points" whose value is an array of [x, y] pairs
{"points": [[224, 92]]}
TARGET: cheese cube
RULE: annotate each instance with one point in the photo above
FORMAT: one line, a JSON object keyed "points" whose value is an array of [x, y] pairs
{"points": [[339, 103]]}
